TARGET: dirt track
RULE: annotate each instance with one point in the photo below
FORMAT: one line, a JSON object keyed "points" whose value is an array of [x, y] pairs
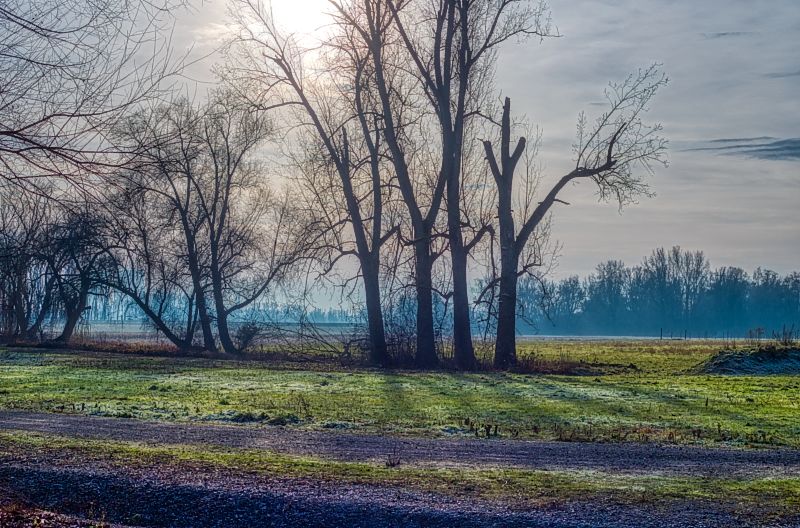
{"points": [[200, 498], [193, 497], [627, 457]]}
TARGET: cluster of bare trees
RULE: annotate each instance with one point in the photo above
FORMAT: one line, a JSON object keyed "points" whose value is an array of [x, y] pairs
{"points": [[395, 111], [49, 262], [190, 232], [399, 178], [195, 219], [71, 70], [108, 181]]}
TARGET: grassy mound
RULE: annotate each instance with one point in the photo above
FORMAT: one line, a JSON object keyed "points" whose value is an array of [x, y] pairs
{"points": [[762, 361]]}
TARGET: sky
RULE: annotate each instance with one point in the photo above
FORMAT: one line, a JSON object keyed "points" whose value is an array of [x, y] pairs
{"points": [[731, 113]]}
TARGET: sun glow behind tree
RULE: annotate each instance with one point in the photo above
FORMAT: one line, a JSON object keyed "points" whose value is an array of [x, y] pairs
{"points": [[305, 20]]}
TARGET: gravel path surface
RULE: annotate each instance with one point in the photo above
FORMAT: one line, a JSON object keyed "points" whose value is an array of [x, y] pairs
{"points": [[186, 497], [619, 458]]}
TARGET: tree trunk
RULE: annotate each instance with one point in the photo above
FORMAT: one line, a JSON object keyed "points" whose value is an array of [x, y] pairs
{"points": [[225, 335], [35, 331], [73, 315], [73, 312], [463, 350], [222, 314], [378, 354], [20, 313], [202, 306], [205, 322], [426, 342], [505, 348], [194, 268], [181, 344]]}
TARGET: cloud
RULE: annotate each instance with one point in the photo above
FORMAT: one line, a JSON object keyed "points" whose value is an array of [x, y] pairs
{"points": [[740, 140], [786, 149], [782, 75], [213, 31], [727, 34], [765, 147]]}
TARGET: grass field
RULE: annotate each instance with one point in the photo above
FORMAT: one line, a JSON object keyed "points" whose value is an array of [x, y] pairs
{"points": [[626, 391]]}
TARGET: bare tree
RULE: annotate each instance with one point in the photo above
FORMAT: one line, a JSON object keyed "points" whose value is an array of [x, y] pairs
{"points": [[234, 237], [28, 282], [614, 154], [334, 106], [371, 23], [254, 235], [167, 172], [76, 256], [147, 256]]}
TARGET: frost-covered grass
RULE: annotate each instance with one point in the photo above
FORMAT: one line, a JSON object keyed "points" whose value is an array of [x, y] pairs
{"points": [[634, 391]]}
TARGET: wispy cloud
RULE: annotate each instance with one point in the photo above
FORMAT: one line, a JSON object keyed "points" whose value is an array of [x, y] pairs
{"points": [[765, 147], [782, 75], [740, 140], [727, 34]]}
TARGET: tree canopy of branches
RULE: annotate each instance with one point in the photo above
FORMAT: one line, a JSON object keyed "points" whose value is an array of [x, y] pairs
{"points": [[424, 116], [70, 70]]}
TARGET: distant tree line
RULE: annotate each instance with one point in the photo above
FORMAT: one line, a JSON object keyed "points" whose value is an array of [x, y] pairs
{"points": [[673, 292]]}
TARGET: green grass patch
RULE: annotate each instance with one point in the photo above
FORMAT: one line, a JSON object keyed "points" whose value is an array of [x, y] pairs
{"points": [[638, 391]]}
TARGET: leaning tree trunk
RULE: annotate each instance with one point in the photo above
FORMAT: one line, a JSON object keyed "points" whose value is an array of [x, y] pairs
{"points": [[35, 330], [73, 315], [182, 345]]}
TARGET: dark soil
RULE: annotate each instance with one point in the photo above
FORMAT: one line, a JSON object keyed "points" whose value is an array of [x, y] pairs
{"points": [[19, 515]]}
